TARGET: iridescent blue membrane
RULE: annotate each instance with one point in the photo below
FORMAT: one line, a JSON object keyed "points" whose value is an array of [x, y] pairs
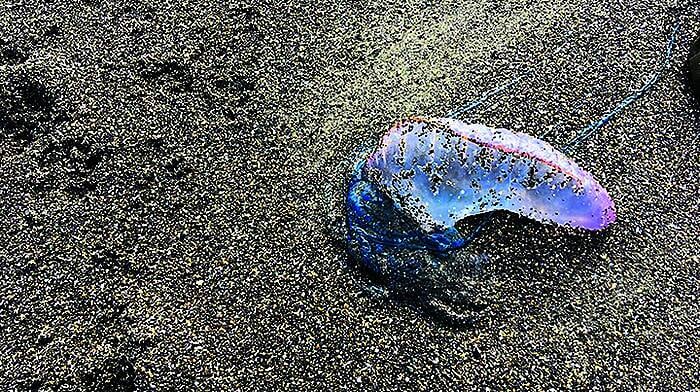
{"points": [[378, 230]]}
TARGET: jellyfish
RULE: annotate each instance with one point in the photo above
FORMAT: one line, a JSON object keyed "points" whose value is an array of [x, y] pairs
{"points": [[427, 174]]}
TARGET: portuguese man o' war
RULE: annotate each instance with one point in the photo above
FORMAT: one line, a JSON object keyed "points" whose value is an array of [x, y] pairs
{"points": [[427, 174]]}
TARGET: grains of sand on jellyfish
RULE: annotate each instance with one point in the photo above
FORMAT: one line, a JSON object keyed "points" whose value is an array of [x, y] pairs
{"points": [[441, 170]]}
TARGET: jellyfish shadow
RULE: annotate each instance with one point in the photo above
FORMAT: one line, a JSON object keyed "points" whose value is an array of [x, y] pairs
{"points": [[395, 261]]}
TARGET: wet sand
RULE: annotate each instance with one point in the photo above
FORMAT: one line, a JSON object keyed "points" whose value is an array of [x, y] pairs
{"points": [[172, 183]]}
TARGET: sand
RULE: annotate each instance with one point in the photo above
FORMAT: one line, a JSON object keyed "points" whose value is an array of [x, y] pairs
{"points": [[172, 183]]}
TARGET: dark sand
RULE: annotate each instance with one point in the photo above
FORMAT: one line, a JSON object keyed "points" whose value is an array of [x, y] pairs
{"points": [[172, 177]]}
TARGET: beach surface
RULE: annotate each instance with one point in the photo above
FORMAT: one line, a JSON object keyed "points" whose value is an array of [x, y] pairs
{"points": [[172, 183]]}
